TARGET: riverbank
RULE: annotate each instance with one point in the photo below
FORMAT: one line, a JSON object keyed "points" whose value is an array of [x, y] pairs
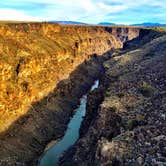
{"points": [[53, 154], [55, 113]]}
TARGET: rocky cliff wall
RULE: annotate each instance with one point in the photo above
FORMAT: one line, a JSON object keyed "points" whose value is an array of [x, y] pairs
{"points": [[36, 56], [44, 70]]}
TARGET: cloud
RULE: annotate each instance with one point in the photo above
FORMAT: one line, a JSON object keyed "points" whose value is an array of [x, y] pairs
{"points": [[90, 11], [112, 9], [11, 14]]}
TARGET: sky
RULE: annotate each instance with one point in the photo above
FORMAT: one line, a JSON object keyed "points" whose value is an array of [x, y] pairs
{"points": [[88, 11]]}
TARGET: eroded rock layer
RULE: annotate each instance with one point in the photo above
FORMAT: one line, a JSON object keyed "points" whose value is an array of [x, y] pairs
{"points": [[44, 70], [36, 56]]}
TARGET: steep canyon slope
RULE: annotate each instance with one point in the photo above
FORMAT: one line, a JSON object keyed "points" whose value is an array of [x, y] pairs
{"points": [[35, 57], [44, 70], [125, 120]]}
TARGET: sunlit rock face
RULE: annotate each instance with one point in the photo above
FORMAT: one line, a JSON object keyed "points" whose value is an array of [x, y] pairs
{"points": [[34, 57]]}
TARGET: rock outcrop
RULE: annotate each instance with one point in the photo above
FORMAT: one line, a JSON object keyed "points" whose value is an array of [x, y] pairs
{"points": [[125, 120], [44, 70]]}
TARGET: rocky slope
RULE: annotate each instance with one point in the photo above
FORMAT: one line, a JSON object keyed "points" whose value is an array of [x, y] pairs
{"points": [[44, 70], [125, 119]]}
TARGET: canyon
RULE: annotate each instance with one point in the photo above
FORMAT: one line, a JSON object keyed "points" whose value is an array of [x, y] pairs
{"points": [[125, 117], [46, 68]]}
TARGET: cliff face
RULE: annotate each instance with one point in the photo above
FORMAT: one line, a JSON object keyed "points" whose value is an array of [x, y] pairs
{"points": [[125, 119], [35, 57], [44, 69]]}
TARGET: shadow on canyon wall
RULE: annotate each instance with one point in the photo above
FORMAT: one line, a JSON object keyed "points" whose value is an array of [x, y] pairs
{"points": [[47, 119]]}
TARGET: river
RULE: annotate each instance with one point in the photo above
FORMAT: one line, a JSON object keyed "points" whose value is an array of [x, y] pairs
{"points": [[52, 155]]}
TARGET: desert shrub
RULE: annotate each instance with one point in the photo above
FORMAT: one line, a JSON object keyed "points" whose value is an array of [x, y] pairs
{"points": [[150, 55], [129, 107], [114, 78], [146, 90], [132, 123], [113, 109], [137, 121], [120, 94]]}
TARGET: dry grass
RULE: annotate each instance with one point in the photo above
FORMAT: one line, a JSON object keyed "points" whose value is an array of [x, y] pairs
{"points": [[160, 29]]}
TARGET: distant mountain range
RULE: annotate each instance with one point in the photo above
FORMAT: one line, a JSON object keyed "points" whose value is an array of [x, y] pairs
{"points": [[145, 24], [149, 24], [106, 23], [80, 23], [68, 22]]}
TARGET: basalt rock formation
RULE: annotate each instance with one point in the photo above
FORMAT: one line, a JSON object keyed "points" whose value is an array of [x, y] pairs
{"points": [[125, 118], [44, 70]]}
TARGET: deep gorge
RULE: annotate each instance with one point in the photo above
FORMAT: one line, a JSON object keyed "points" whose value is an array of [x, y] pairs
{"points": [[45, 69], [125, 116]]}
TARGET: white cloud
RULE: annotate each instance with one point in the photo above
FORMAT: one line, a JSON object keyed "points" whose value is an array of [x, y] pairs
{"points": [[11, 14], [88, 5], [90, 11], [112, 9]]}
